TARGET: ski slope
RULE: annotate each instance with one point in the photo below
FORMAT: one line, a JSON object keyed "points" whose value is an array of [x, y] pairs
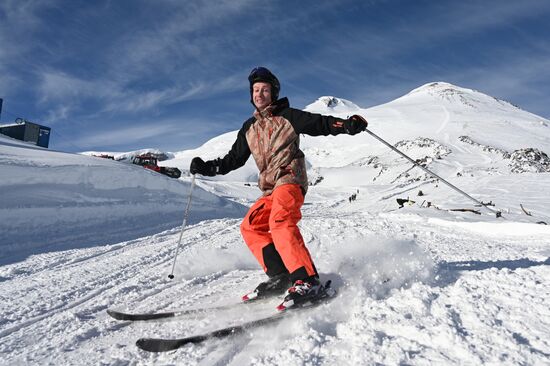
{"points": [[456, 295], [417, 285]]}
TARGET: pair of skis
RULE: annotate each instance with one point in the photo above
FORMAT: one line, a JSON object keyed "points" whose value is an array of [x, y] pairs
{"points": [[164, 345]]}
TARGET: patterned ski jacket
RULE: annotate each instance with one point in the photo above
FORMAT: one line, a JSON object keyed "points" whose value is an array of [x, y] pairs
{"points": [[273, 139]]}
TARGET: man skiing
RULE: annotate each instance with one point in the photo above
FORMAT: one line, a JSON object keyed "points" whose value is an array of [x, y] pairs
{"points": [[270, 228]]}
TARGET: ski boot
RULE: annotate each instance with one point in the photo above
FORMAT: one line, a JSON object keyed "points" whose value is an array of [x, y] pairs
{"points": [[306, 293], [275, 285]]}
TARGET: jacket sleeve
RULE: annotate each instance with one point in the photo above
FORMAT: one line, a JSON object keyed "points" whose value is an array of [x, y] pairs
{"points": [[238, 155], [314, 124]]}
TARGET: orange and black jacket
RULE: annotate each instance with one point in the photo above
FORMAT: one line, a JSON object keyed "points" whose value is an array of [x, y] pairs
{"points": [[272, 136]]}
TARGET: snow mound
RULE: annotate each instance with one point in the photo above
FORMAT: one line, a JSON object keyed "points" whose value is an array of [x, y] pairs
{"points": [[59, 201], [329, 104]]}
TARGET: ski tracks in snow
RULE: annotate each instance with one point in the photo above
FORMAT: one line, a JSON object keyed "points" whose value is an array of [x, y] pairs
{"points": [[126, 273], [409, 293]]}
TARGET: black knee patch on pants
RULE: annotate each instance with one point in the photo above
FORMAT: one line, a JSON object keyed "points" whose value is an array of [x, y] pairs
{"points": [[273, 261]]}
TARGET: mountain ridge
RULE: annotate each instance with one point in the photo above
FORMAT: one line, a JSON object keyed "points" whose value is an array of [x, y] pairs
{"points": [[422, 113]]}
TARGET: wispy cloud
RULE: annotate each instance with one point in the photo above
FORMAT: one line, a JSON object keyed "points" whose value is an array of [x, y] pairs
{"points": [[117, 63], [18, 21], [161, 60], [473, 17], [125, 135], [382, 63], [59, 113], [137, 101], [522, 79], [509, 76], [69, 90], [58, 86], [179, 44], [179, 132]]}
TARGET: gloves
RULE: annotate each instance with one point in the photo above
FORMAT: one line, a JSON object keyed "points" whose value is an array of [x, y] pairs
{"points": [[201, 167], [355, 124]]}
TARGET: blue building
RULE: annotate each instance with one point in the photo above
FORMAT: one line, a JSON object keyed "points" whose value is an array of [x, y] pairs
{"points": [[27, 131]]}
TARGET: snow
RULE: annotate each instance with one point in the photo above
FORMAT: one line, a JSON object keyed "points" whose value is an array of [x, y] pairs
{"points": [[58, 200], [417, 285]]}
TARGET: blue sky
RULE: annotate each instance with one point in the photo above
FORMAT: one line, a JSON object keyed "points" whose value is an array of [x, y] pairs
{"points": [[123, 75]]}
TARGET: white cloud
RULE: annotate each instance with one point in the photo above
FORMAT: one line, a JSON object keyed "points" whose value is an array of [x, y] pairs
{"points": [[180, 43], [170, 52], [59, 113], [18, 21], [149, 133], [58, 87], [61, 86], [126, 135]]}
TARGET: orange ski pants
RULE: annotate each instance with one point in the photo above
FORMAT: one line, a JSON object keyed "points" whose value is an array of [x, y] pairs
{"points": [[273, 220]]}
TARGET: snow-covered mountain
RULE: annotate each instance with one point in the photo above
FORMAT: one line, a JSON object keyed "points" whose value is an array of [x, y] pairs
{"points": [[437, 281], [453, 131]]}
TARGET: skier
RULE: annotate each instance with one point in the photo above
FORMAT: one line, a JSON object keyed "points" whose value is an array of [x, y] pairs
{"points": [[270, 228]]}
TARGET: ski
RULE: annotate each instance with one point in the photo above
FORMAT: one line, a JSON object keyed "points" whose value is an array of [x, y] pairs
{"points": [[165, 345], [120, 315]]}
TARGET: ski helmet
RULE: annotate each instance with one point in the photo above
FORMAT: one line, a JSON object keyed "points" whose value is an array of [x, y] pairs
{"points": [[262, 74]]}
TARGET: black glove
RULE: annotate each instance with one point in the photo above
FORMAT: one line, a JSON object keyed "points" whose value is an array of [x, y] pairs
{"points": [[201, 167], [355, 124]]}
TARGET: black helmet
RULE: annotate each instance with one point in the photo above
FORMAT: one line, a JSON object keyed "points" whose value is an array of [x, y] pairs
{"points": [[264, 75]]}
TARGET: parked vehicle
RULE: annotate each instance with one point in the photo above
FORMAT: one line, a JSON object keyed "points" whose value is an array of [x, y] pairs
{"points": [[150, 161]]}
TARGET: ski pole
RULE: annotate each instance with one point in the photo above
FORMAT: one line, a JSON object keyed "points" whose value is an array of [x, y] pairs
{"points": [[185, 216], [498, 213]]}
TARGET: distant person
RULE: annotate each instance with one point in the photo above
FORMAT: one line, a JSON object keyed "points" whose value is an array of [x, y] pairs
{"points": [[270, 228]]}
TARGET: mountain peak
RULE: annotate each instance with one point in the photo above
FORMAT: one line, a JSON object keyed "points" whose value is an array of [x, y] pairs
{"points": [[454, 94], [441, 88], [331, 104]]}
